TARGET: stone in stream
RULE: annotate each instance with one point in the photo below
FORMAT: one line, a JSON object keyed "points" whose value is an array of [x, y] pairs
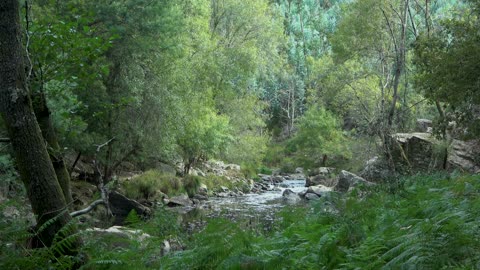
{"points": [[290, 196]]}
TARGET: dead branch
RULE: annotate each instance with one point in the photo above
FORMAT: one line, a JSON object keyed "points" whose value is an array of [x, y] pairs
{"points": [[91, 207]]}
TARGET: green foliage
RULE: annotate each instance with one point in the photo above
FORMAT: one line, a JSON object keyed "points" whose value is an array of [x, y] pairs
{"points": [[447, 70], [205, 134], [147, 185], [429, 222], [318, 136], [14, 254], [191, 184]]}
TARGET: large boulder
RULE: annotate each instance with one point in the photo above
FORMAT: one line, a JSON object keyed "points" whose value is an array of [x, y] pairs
{"points": [[376, 170], [180, 200], [465, 155], [417, 152], [121, 206], [348, 180], [422, 152]]}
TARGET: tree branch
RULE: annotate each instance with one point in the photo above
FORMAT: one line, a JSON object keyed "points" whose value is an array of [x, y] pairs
{"points": [[4, 140], [92, 206]]}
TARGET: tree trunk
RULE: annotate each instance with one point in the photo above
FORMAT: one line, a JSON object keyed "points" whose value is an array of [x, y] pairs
{"points": [[399, 63], [44, 120], [34, 165]]}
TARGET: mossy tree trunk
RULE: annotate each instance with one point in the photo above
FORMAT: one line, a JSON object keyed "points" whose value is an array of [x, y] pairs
{"points": [[32, 159], [44, 120]]}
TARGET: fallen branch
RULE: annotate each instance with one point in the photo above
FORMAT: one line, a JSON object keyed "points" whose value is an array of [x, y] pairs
{"points": [[92, 206], [4, 140]]}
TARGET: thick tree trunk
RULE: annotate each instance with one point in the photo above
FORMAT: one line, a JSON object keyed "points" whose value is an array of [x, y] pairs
{"points": [[32, 158], [46, 126]]}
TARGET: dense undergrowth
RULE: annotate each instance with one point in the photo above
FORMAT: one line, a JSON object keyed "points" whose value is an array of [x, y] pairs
{"points": [[421, 222], [426, 223]]}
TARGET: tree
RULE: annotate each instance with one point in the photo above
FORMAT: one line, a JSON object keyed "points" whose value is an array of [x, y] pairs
{"points": [[32, 159], [448, 69], [318, 136]]}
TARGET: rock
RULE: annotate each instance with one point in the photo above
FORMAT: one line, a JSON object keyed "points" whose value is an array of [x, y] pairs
{"points": [[196, 201], [465, 155], [321, 180], [321, 171], [423, 125], [203, 189], [233, 167], [166, 169], [422, 152], [290, 196], [346, 180], [223, 194], [416, 152], [265, 178], [321, 176], [319, 190], [299, 170], [224, 189], [376, 170], [10, 212], [200, 197], [277, 179], [181, 200], [312, 196], [302, 194], [121, 206], [165, 248], [122, 232]]}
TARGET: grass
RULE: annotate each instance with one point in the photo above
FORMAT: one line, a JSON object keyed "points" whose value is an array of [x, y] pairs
{"points": [[147, 185]]}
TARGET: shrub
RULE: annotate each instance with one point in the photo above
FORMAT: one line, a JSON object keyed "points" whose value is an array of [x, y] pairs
{"points": [[147, 185], [191, 184]]}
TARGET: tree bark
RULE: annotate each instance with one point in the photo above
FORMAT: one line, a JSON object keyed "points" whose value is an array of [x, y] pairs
{"points": [[44, 120], [399, 63], [34, 165]]}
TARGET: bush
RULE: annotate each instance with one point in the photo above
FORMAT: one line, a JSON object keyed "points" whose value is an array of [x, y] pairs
{"points": [[147, 185], [191, 184]]}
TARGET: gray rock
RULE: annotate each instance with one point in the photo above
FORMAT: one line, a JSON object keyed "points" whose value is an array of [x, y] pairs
{"points": [[181, 200], [325, 180], [299, 170], [327, 171], [224, 189], [312, 196], [165, 248], [319, 190], [203, 189], [290, 196], [200, 197], [423, 125], [277, 179], [346, 180], [465, 155], [121, 206]]}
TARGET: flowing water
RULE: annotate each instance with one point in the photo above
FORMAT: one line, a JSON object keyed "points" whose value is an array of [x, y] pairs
{"points": [[251, 210]]}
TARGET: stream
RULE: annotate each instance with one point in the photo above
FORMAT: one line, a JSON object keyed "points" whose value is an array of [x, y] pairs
{"points": [[252, 210]]}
